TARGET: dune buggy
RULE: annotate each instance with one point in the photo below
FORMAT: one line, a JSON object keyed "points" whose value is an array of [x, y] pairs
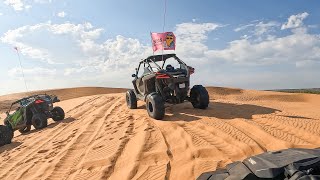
{"points": [[161, 79], [33, 110]]}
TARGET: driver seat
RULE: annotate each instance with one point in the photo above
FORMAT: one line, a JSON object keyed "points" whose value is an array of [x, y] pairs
{"points": [[169, 68]]}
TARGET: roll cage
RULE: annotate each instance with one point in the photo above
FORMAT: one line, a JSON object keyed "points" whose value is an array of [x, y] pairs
{"points": [[157, 58], [27, 100]]}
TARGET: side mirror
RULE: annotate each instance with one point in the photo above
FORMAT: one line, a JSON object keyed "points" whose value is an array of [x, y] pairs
{"points": [[191, 70], [133, 75]]}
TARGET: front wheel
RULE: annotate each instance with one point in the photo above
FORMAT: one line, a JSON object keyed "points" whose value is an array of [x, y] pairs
{"points": [[199, 97], [155, 106], [39, 121], [6, 135], [57, 113], [131, 99]]}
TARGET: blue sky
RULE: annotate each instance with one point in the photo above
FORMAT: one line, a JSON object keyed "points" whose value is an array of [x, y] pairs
{"points": [[247, 44]]}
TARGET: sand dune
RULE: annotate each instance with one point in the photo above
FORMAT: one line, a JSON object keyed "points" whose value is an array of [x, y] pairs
{"points": [[63, 94], [102, 139]]}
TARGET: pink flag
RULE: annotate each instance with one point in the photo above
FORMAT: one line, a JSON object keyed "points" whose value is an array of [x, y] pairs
{"points": [[163, 41]]}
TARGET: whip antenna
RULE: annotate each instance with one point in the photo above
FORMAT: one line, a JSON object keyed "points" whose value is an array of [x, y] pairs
{"points": [[164, 15], [24, 79], [164, 21]]}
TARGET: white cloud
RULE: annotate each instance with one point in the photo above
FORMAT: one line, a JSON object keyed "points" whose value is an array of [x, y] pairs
{"points": [[29, 39], [295, 21], [1, 14], [76, 45], [259, 27], [119, 54], [27, 7], [195, 31], [300, 48], [79, 45], [62, 14], [17, 5], [191, 38], [293, 48], [43, 1], [262, 28], [37, 71], [243, 27]]}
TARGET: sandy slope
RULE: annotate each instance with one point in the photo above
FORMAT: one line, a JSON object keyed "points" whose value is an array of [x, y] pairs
{"points": [[63, 94], [102, 139]]}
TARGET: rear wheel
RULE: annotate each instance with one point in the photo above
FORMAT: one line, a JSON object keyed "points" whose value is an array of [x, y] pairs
{"points": [[155, 106], [199, 97], [39, 121], [131, 99], [6, 135], [57, 113]]}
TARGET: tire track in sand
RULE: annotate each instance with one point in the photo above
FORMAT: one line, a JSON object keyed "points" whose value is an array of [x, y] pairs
{"points": [[309, 125], [227, 146], [46, 153], [267, 141], [101, 152], [76, 151], [172, 133], [107, 172], [168, 148], [236, 133], [289, 133], [154, 162], [36, 146]]}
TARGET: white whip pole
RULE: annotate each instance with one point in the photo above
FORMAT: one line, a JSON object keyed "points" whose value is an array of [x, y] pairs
{"points": [[164, 22], [24, 79]]}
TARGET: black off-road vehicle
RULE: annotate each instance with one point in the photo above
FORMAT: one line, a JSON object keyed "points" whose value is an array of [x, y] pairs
{"points": [[288, 164], [161, 79], [33, 110]]}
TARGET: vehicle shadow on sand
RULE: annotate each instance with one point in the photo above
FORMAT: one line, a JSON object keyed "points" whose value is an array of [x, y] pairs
{"points": [[9, 147], [15, 144], [51, 125], [228, 111]]}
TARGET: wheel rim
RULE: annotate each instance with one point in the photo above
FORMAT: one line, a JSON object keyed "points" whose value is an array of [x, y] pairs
{"points": [[150, 107]]}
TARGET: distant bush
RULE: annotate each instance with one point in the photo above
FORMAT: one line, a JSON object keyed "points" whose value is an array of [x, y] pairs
{"points": [[310, 91]]}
